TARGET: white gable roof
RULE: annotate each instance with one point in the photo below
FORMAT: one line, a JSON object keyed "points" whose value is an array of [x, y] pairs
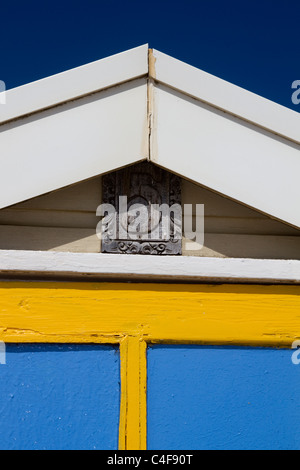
{"points": [[134, 106]]}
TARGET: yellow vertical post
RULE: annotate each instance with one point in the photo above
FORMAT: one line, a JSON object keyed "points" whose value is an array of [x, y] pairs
{"points": [[133, 414]]}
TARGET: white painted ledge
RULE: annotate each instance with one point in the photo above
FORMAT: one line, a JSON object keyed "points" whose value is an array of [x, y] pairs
{"points": [[28, 264]]}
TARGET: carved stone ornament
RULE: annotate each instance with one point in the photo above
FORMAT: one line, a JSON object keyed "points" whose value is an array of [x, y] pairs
{"points": [[139, 227]]}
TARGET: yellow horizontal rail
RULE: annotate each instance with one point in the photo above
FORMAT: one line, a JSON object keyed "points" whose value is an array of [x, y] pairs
{"points": [[108, 312]]}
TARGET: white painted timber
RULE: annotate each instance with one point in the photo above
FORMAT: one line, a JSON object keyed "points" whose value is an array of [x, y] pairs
{"points": [[94, 119], [226, 96], [75, 83], [152, 268], [73, 142], [226, 154]]}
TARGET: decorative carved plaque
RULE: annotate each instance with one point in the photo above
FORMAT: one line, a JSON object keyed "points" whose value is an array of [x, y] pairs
{"points": [[146, 186]]}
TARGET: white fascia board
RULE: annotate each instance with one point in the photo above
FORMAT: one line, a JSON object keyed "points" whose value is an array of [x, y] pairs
{"points": [[148, 268], [73, 142], [74, 83], [226, 154], [226, 96]]}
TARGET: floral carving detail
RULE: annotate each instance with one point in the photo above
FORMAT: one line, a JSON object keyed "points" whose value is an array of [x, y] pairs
{"points": [[146, 184]]}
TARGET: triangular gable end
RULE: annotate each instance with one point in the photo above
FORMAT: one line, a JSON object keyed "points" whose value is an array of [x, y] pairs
{"points": [[145, 105]]}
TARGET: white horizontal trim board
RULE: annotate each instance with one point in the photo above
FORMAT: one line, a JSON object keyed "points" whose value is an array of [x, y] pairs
{"points": [[74, 83], [148, 268], [226, 96]]}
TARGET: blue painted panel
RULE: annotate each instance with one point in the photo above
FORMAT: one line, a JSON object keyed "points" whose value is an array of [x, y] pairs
{"points": [[59, 397], [222, 398]]}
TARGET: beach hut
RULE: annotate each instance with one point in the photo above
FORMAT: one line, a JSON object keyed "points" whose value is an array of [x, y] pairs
{"points": [[123, 325]]}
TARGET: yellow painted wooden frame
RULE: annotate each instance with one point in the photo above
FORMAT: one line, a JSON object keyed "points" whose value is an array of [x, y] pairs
{"points": [[133, 315]]}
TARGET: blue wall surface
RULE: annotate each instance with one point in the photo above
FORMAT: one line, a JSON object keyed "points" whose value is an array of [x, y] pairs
{"points": [[222, 398], [59, 397]]}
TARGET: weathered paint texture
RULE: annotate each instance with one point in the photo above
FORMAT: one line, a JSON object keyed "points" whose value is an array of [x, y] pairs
{"points": [[107, 312], [93, 266], [133, 315], [133, 415], [59, 397], [222, 398]]}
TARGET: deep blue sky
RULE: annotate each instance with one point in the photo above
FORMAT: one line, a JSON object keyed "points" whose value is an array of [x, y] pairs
{"points": [[254, 44]]}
